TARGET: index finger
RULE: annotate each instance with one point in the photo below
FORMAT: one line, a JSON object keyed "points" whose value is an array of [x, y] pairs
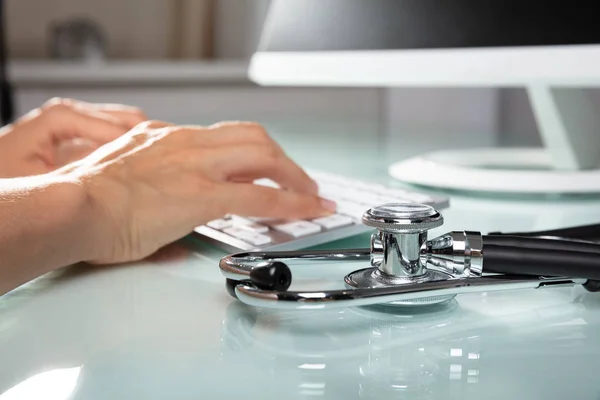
{"points": [[261, 201], [127, 115], [249, 162]]}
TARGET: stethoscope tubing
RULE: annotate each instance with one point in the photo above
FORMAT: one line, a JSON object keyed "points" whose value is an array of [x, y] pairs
{"points": [[541, 256], [542, 243], [590, 233]]}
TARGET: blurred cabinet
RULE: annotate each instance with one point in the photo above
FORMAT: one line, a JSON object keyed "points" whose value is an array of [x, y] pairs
{"points": [[194, 93], [136, 28], [143, 29]]}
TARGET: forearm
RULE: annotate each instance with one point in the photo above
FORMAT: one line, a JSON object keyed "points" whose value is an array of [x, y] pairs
{"points": [[42, 228]]}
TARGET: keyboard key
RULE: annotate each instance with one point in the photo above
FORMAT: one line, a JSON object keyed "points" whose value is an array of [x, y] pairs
{"points": [[239, 220], [333, 221], [255, 239], [236, 232], [353, 210], [298, 228], [219, 224], [258, 228], [249, 223]]}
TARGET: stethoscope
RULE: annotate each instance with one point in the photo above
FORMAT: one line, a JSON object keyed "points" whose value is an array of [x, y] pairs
{"points": [[407, 269]]}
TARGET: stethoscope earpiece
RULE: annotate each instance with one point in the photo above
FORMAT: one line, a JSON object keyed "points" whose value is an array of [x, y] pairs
{"points": [[271, 275], [268, 275], [408, 269]]}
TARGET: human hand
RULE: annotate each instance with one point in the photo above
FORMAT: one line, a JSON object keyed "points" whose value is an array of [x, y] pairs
{"points": [[158, 182], [59, 132]]}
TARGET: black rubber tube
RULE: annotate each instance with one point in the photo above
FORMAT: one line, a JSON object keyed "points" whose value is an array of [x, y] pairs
{"points": [[585, 232], [540, 244], [527, 261]]}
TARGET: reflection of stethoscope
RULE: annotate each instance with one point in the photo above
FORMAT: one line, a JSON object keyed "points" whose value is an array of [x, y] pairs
{"points": [[408, 269], [375, 353], [429, 352]]}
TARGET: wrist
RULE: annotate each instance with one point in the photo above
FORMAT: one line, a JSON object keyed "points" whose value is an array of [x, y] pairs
{"points": [[65, 218], [44, 225], [75, 220], [100, 203], [59, 217]]}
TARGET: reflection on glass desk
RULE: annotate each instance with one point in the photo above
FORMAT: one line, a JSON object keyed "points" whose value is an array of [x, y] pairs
{"points": [[453, 351]]}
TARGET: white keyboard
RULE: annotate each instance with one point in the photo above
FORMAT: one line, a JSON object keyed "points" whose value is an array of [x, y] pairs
{"points": [[353, 198]]}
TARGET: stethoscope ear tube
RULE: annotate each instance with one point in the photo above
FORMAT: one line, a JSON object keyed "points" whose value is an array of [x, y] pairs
{"points": [[541, 243], [549, 255], [524, 261], [590, 233]]}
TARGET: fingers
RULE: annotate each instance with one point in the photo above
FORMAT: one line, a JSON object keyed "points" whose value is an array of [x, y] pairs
{"points": [[128, 116], [249, 162], [259, 201], [222, 134], [242, 152], [69, 151], [228, 133], [68, 122]]}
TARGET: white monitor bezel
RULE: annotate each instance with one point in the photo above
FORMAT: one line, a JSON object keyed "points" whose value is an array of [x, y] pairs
{"points": [[572, 66]]}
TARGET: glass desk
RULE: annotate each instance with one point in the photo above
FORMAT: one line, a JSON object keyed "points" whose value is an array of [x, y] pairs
{"points": [[165, 328]]}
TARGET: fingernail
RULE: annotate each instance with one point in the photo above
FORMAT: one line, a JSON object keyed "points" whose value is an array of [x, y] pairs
{"points": [[328, 205]]}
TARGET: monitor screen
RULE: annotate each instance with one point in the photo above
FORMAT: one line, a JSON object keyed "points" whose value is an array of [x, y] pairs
{"points": [[330, 25]]}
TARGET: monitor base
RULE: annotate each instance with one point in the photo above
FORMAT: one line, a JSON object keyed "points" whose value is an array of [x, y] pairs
{"points": [[506, 170]]}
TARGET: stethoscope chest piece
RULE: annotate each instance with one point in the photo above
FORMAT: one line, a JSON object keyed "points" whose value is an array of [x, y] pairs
{"points": [[396, 257]]}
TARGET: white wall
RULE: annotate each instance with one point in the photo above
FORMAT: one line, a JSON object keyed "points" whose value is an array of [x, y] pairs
{"points": [[517, 122]]}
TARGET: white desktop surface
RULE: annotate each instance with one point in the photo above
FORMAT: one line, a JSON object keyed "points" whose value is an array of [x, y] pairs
{"points": [[165, 328]]}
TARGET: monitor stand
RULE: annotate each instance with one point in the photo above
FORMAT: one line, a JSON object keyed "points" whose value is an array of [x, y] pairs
{"points": [[569, 163]]}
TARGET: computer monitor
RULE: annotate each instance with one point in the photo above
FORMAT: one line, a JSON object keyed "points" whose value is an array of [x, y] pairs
{"points": [[550, 48]]}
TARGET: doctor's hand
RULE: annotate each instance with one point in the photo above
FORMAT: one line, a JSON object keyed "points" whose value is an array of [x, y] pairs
{"points": [[61, 131], [158, 182]]}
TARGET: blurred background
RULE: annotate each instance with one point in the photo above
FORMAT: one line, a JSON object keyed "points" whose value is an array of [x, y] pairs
{"points": [[185, 61]]}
